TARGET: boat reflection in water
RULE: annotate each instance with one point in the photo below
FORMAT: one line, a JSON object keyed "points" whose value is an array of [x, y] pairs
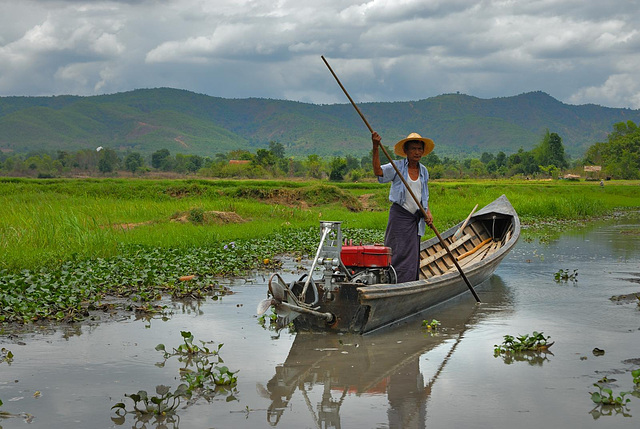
{"points": [[384, 363]]}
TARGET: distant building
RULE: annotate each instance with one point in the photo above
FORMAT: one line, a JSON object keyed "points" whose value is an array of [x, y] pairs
{"points": [[239, 161], [571, 177], [593, 171]]}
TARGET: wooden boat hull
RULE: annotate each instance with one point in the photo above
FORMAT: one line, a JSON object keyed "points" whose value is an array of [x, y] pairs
{"points": [[485, 241], [412, 297]]}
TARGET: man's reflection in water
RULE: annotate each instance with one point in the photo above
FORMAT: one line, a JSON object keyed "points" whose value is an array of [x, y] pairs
{"points": [[407, 397]]}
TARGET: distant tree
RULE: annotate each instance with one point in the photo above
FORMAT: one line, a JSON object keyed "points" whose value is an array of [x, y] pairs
{"points": [[451, 168], [241, 154], [365, 161], [516, 158], [220, 158], [32, 163], [313, 166], [486, 157], [550, 170], [296, 168], [431, 160], [556, 150], [13, 165], [273, 159], [108, 161], [65, 158], [277, 149], [187, 163], [436, 172], [477, 168], [625, 166], [133, 162], [492, 166], [620, 156], [161, 159], [352, 163], [195, 163], [522, 162], [356, 174], [41, 166], [58, 167], [338, 168], [265, 158], [86, 159], [529, 164], [501, 159], [550, 151], [622, 129]]}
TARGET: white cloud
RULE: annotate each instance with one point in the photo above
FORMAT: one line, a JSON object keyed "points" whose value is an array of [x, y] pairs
{"points": [[622, 89], [382, 49]]}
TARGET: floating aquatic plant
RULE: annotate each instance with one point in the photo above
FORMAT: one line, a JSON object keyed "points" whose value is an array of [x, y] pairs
{"points": [[534, 342], [563, 275], [605, 396], [143, 274], [430, 325], [6, 356], [207, 375], [166, 402], [202, 376]]}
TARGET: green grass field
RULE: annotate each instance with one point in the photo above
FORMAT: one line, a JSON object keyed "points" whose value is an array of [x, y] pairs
{"points": [[66, 242], [45, 222]]}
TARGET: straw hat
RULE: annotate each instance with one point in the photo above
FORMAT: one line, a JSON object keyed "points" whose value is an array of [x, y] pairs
{"points": [[399, 147]]}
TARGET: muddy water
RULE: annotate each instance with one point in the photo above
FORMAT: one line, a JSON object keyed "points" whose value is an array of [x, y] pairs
{"points": [[405, 377]]}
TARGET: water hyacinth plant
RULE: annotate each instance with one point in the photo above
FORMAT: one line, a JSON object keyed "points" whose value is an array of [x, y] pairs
{"points": [[142, 274], [6, 356], [605, 396], [202, 370], [430, 325], [522, 343], [563, 275], [166, 402], [201, 374]]}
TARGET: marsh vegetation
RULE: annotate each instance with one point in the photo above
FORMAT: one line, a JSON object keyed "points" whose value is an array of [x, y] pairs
{"points": [[69, 246]]}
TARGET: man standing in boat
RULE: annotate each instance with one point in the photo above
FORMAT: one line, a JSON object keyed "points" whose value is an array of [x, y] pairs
{"points": [[406, 224]]}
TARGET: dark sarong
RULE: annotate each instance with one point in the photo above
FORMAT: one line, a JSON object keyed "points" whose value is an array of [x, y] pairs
{"points": [[402, 236]]}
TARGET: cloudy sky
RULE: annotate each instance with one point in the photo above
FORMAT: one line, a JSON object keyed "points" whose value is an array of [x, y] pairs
{"points": [[578, 51]]}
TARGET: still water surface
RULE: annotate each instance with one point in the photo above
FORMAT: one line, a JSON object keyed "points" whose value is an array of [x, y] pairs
{"points": [[404, 377]]}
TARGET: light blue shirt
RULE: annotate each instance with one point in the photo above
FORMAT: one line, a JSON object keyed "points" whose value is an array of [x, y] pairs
{"points": [[398, 193]]}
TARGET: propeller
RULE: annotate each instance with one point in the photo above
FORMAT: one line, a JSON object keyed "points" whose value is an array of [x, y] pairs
{"points": [[278, 287], [264, 305], [280, 299], [282, 310]]}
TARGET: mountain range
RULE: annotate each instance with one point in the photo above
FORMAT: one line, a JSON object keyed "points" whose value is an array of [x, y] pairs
{"points": [[146, 120]]}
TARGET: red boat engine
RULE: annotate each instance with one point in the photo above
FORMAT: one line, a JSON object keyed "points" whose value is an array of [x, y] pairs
{"points": [[368, 264]]}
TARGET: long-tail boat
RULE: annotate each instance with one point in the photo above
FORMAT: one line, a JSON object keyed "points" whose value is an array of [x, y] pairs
{"points": [[358, 291]]}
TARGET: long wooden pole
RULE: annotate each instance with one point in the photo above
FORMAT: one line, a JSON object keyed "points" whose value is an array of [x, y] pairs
{"points": [[424, 213]]}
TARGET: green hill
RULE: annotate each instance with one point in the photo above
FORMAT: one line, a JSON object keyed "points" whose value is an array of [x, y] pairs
{"points": [[146, 120]]}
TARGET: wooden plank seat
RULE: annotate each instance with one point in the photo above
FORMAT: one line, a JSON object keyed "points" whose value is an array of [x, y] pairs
{"points": [[440, 253]]}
